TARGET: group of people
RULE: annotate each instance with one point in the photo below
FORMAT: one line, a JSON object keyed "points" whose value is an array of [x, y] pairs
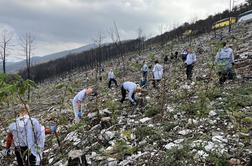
{"points": [[27, 135]]}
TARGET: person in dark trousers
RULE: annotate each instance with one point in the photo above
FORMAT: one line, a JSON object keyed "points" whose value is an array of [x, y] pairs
{"points": [[157, 73], [111, 78], [27, 135], [166, 59], [225, 61], [190, 61], [176, 55], [131, 88], [145, 70]]}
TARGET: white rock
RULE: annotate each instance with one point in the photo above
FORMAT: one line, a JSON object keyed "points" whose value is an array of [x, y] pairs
{"points": [[201, 155], [192, 121], [109, 148], [125, 162], [105, 111], [212, 122], [112, 163], [170, 146], [178, 141], [50, 160], [105, 119], [219, 139], [147, 98], [75, 153], [73, 136], [234, 161], [146, 119], [109, 135], [209, 147], [150, 125], [185, 132], [170, 109], [212, 113], [187, 87]]}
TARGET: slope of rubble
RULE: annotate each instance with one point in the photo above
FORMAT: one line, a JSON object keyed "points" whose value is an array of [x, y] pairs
{"points": [[179, 123]]}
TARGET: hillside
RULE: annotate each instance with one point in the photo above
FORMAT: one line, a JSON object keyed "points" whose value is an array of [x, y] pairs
{"points": [[15, 67], [179, 123]]}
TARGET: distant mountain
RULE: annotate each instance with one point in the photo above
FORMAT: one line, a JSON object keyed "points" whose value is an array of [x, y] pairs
{"points": [[14, 67]]}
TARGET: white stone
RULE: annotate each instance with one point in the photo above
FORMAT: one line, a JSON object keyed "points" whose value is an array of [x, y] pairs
{"points": [[192, 121], [170, 146], [184, 132], [170, 109], [146, 119], [209, 147], [150, 125], [112, 162], [109, 148], [212, 122], [219, 139], [187, 87], [147, 98], [109, 135], [201, 155], [75, 154], [178, 141], [50, 160], [73, 136], [212, 113]]}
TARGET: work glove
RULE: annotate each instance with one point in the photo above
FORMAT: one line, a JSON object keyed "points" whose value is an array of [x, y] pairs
{"points": [[7, 152], [133, 103], [53, 128], [38, 149], [80, 114], [4, 153]]}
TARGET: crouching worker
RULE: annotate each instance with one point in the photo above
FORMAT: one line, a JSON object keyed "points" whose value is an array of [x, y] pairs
{"points": [[77, 100], [28, 137], [132, 89]]}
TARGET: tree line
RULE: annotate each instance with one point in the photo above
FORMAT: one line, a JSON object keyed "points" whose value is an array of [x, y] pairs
{"points": [[200, 26], [85, 60]]}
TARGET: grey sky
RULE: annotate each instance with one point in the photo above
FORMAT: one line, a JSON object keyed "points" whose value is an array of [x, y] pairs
{"points": [[65, 24]]}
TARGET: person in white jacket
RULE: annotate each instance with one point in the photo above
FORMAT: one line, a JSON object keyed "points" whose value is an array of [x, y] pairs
{"points": [[225, 61], [190, 61], [111, 78], [131, 88], [77, 100], [157, 73], [28, 138]]}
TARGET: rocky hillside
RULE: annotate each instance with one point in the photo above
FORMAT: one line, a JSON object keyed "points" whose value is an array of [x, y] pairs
{"points": [[178, 123]]}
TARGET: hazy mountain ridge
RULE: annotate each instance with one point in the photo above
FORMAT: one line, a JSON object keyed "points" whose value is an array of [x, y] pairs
{"points": [[16, 66]]}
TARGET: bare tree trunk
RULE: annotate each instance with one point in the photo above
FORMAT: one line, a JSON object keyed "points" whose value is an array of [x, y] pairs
{"points": [[4, 45], [27, 44], [117, 41]]}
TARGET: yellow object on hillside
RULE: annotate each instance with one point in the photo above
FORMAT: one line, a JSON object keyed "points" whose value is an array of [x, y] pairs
{"points": [[187, 32], [224, 22]]}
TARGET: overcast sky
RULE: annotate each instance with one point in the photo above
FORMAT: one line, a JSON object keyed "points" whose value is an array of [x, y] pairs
{"points": [[65, 24]]}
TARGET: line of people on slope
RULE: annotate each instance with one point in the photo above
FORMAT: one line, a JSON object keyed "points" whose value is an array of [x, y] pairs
{"points": [[27, 135]]}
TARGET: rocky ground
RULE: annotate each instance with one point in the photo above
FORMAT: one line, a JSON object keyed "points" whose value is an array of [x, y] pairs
{"points": [[179, 123]]}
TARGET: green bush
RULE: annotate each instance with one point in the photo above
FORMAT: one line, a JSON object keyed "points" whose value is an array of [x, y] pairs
{"points": [[121, 149], [152, 111]]}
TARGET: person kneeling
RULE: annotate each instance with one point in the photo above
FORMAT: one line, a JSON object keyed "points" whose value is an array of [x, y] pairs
{"points": [[131, 88]]}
